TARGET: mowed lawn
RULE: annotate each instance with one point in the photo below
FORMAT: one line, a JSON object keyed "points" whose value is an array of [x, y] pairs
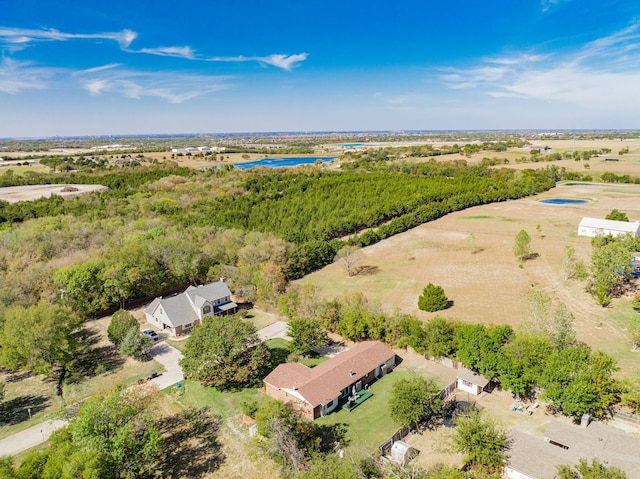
{"points": [[369, 425]]}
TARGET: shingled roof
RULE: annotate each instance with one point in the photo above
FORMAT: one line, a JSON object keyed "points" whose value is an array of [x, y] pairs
{"points": [[325, 382], [472, 377], [567, 443]]}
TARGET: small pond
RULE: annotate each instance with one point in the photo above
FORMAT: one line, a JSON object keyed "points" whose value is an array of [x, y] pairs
{"points": [[564, 201], [280, 162]]}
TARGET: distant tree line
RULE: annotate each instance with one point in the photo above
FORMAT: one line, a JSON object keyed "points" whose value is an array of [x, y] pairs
{"points": [[163, 226]]}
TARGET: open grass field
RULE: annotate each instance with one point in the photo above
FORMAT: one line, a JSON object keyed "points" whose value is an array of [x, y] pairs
{"points": [[469, 253]]}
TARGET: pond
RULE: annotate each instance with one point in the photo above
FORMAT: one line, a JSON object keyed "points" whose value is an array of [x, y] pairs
{"points": [[564, 201], [282, 162]]}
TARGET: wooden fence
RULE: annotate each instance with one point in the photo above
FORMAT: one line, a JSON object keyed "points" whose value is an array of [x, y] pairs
{"points": [[448, 391], [401, 433]]}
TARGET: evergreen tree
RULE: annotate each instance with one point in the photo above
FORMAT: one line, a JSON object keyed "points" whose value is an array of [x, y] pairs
{"points": [[433, 298]]}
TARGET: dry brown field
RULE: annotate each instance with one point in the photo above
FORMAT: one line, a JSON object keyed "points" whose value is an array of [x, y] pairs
{"points": [[489, 286], [13, 194]]}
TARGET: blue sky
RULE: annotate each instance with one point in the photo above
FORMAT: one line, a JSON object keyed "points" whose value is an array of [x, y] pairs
{"points": [[80, 67]]}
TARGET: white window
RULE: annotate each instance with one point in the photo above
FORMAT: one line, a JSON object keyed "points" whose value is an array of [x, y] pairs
{"points": [[206, 309]]}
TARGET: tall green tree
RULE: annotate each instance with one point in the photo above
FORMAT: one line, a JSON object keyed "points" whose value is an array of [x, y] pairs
{"points": [[482, 442], [120, 429], [135, 344], [580, 381], [610, 267], [522, 245], [617, 215], [39, 339], [481, 348], [225, 351], [306, 334], [289, 435], [121, 322], [439, 334], [414, 400], [525, 358]]}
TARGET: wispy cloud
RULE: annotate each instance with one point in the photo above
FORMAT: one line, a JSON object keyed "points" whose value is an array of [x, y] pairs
{"points": [[16, 76], [21, 35], [176, 88], [177, 52], [603, 70], [16, 39], [286, 62], [548, 5], [111, 79]]}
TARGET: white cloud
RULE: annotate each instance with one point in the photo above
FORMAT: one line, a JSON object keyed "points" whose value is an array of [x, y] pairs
{"points": [[286, 62], [605, 71], [97, 69], [16, 39], [96, 87], [16, 76], [517, 60], [178, 52], [21, 35], [113, 79], [175, 88]]}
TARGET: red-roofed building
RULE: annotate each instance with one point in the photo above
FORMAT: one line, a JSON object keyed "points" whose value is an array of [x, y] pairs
{"points": [[315, 392]]}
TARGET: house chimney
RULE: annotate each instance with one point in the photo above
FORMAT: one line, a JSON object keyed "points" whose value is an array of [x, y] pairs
{"points": [[222, 278], [585, 420]]}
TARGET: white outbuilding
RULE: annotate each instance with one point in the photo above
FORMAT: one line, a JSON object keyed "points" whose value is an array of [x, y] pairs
{"points": [[592, 226], [471, 382], [402, 453]]}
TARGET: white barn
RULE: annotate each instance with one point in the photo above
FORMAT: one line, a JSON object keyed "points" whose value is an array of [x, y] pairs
{"points": [[592, 226]]}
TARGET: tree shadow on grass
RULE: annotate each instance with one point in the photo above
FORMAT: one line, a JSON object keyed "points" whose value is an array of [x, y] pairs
{"points": [[191, 444], [278, 356], [366, 270], [331, 436], [16, 410], [92, 360]]}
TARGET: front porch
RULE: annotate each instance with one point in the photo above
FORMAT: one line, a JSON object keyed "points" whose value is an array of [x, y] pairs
{"points": [[355, 401]]}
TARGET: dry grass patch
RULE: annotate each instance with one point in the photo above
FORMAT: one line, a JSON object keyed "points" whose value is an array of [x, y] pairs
{"points": [[488, 286]]}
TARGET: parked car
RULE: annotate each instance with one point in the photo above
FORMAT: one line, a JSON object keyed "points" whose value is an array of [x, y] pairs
{"points": [[151, 333]]}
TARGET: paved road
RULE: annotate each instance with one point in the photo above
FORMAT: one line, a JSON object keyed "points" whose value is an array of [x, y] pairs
{"points": [[29, 437], [275, 330]]}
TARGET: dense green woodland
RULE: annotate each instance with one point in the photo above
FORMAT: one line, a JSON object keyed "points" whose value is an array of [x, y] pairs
{"points": [[159, 227]]}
